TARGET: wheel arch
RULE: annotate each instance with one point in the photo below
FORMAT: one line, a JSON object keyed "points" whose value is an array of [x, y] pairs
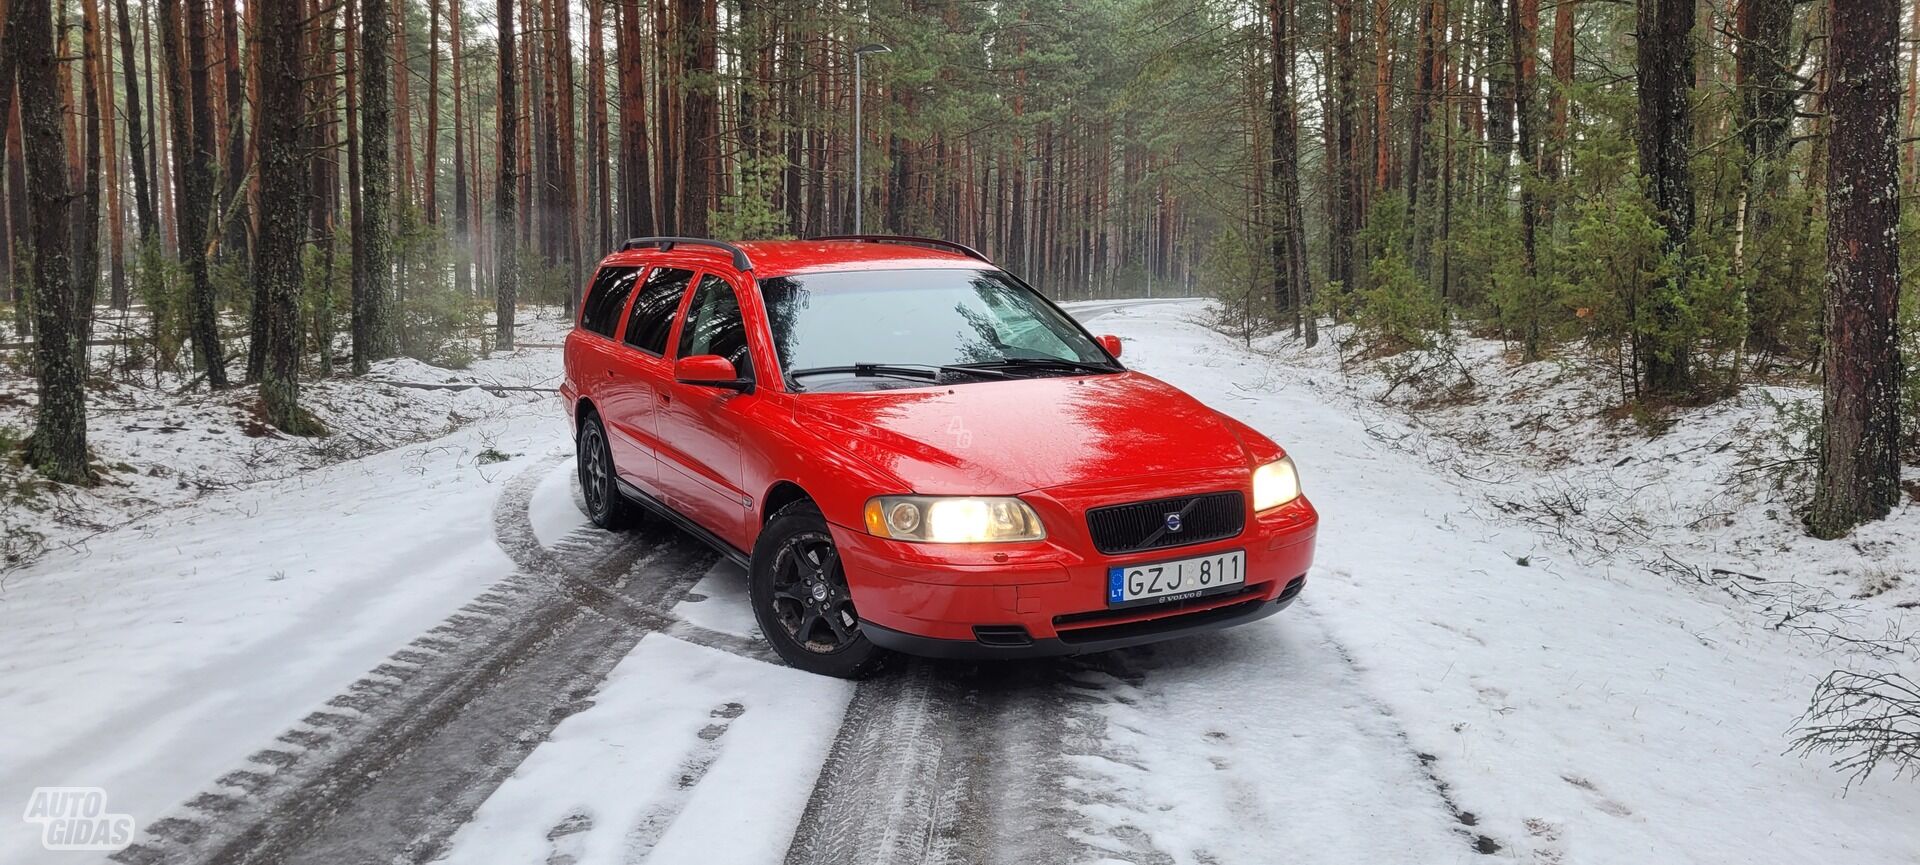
{"points": [[582, 409], [781, 494]]}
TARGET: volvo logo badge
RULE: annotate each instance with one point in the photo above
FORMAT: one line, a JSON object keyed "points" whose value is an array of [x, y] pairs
{"points": [[1173, 521]]}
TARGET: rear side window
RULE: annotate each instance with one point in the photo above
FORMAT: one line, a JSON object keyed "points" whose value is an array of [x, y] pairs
{"points": [[652, 316], [714, 326], [600, 312]]}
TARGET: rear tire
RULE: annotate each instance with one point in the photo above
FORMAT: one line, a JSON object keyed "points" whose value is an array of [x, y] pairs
{"points": [[599, 484], [798, 590]]}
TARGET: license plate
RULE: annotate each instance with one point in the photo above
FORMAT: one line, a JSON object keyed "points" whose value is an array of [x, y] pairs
{"points": [[1177, 580]]}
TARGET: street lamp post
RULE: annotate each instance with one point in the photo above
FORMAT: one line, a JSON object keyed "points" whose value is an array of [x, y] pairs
{"points": [[859, 194]]}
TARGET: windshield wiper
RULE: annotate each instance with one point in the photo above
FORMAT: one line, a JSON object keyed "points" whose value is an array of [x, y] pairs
{"points": [[871, 369], [1015, 363], [918, 372]]}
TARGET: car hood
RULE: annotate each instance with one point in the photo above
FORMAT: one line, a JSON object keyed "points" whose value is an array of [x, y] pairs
{"points": [[1006, 437]]}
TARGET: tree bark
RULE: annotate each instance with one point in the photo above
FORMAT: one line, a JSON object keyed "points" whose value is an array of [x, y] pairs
{"points": [[58, 447], [636, 173], [233, 208], [1859, 478], [373, 335], [1768, 93], [136, 130], [1499, 74], [86, 210], [109, 152], [506, 266], [462, 228], [601, 183], [193, 160], [1664, 69], [1558, 104], [283, 214], [429, 190], [1288, 233], [700, 145]]}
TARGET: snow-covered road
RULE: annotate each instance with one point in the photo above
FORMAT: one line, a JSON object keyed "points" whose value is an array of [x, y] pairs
{"points": [[422, 656]]}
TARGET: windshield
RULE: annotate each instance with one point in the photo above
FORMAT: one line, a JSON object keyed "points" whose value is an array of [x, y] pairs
{"points": [[931, 320]]}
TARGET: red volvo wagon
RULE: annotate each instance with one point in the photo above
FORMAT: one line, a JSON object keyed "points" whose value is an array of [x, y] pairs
{"points": [[910, 449]]}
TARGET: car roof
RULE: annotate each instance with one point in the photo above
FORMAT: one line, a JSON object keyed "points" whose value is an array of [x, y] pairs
{"points": [[785, 257]]}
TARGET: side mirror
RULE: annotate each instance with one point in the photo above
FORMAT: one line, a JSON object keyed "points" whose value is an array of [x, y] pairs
{"points": [[1111, 343], [710, 370]]}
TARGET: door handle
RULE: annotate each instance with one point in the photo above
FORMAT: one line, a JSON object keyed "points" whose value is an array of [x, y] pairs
{"points": [[666, 396]]}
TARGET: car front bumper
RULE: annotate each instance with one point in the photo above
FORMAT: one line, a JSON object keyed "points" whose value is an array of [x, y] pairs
{"points": [[1003, 601]]}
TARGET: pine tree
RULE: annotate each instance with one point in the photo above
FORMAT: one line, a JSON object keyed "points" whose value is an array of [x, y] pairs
{"points": [[284, 217], [373, 331], [58, 446], [1860, 413]]}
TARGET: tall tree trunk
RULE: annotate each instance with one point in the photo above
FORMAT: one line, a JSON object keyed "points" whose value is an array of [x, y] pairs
{"points": [[406, 186], [462, 229], [193, 157], [1767, 94], [506, 266], [1346, 157], [1500, 88], [597, 138], [373, 334], [700, 142], [232, 203], [1382, 93], [1558, 104], [283, 214], [136, 130], [636, 192], [109, 154], [1859, 476], [429, 190], [58, 447], [1664, 70], [1288, 234], [86, 210]]}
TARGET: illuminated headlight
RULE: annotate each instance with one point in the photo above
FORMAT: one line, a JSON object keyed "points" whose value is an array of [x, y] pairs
{"points": [[953, 519], [1275, 484]]}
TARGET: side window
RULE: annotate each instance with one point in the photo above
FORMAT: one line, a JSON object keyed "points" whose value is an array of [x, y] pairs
{"points": [[600, 312], [652, 317], [714, 326]]}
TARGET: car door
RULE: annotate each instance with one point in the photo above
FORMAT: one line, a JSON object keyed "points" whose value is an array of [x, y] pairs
{"points": [[641, 370], [699, 425], [594, 356]]}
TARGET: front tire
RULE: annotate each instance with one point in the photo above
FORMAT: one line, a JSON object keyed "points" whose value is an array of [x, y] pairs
{"points": [[599, 484], [798, 589]]}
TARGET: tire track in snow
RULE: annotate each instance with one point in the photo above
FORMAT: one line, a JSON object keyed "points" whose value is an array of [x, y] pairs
{"points": [[957, 763], [1466, 821], [387, 770]]}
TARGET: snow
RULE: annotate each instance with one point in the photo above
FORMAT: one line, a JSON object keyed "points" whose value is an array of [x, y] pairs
{"points": [[553, 510], [160, 444], [719, 602], [1514, 635], [1585, 708], [155, 656], [687, 755]]}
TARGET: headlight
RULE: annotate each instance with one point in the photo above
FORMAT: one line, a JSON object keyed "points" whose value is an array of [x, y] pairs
{"points": [[1275, 484], [953, 519]]}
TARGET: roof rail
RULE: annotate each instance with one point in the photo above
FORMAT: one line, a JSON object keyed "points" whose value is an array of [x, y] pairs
{"points": [[740, 259], [968, 251]]}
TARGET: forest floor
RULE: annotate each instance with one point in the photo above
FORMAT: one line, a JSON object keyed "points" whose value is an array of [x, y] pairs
{"points": [[163, 440], [1534, 633]]}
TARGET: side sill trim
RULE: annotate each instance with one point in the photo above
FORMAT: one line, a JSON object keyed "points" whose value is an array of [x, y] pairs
{"points": [[637, 496]]}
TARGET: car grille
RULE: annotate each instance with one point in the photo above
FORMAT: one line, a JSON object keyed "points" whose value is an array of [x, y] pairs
{"points": [[1137, 526]]}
